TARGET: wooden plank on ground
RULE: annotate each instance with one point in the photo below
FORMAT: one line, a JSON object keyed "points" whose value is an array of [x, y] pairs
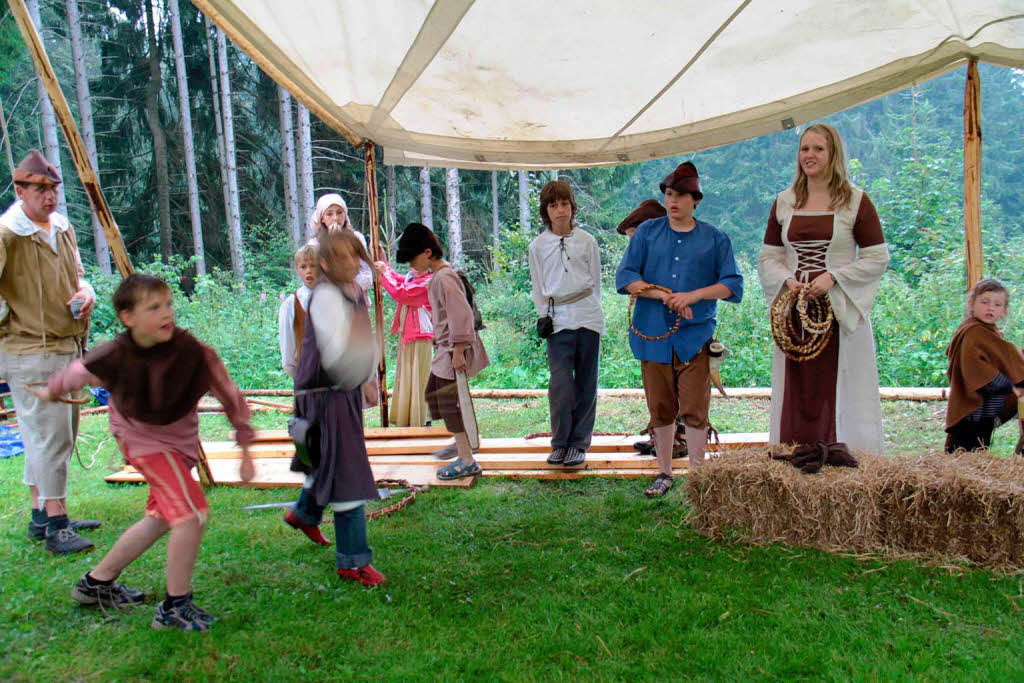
{"points": [[577, 474], [424, 446], [538, 461], [438, 431], [272, 474]]}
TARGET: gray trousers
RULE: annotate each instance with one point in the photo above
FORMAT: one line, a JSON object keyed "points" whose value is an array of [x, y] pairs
{"points": [[47, 429], [573, 359]]}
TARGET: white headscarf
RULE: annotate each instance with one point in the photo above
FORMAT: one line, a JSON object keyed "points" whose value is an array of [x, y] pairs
{"points": [[322, 204]]}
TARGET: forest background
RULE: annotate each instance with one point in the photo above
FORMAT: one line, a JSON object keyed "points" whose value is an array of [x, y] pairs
{"points": [[259, 164]]}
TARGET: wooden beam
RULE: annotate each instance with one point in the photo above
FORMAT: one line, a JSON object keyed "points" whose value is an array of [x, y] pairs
{"points": [[370, 169], [76, 146], [972, 174]]}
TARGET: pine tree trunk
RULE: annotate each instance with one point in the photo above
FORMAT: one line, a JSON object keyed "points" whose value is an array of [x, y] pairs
{"points": [[392, 204], [291, 199], [48, 120], [85, 116], [494, 218], [186, 131], [234, 214], [218, 121], [454, 216], [426, 206], [305, 149], [524, 201], [152, 103]]}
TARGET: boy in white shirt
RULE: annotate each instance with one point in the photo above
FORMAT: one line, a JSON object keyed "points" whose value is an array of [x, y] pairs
{"points": [[291, 317], [565, 273]]}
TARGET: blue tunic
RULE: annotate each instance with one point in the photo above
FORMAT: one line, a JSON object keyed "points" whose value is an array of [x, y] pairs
{"points": [[683, 262]]}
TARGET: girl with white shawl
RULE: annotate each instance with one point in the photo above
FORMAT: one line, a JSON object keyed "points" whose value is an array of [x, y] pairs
{"points": [[824, 235], [331, 213]]}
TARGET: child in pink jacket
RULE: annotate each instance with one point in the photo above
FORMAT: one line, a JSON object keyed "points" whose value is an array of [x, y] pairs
{"points": [[412, 321]]}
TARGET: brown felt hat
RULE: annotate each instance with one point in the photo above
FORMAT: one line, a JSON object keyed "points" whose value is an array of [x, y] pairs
{"points": [[648, 209], [683, 179], [34, 168]]}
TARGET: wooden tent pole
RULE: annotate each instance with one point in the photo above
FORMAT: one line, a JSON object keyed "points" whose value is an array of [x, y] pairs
{"points": [[76, 147], [370, 168], [972, 174]]}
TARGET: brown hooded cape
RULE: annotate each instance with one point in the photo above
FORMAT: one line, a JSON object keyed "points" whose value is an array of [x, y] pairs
{"points": [[977, 353]]}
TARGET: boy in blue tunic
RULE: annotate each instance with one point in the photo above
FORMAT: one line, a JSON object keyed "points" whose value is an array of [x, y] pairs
{"points": [[694, 261]]}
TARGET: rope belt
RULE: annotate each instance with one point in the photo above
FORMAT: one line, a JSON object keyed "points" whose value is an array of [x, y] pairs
{"points": [[629, 313], [816, 318]]}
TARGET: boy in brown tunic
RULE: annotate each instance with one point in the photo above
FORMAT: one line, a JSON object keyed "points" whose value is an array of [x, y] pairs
{"points": [[457, 345]]}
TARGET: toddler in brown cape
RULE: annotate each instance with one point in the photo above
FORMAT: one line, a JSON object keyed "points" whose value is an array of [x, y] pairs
{"points": [[986, 372]]}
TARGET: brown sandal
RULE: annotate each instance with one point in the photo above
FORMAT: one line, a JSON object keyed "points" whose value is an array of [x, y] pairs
{"points": [[661, 486]]}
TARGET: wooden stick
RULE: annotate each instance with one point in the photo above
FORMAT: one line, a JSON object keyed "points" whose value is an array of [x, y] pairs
{"points": [[972, 174], [76, 146], [270, 404], [370, 169]]}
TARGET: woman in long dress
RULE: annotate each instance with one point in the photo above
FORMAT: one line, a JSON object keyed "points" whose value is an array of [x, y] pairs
{"points": [[824, 235]]}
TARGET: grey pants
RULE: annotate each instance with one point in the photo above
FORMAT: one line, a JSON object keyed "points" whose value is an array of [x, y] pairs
{"points": [[47, 429], [573, 359]]}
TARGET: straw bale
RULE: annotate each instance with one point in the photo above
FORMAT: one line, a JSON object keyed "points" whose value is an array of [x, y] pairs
{"points": [[967, 506]]}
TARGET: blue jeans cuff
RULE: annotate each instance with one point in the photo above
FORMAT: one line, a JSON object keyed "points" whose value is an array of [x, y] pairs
{"points": [[353, 561]]}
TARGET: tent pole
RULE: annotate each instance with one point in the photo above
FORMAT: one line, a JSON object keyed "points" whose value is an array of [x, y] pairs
{"points": [[76, 147], [972, 173], [370, 168]]}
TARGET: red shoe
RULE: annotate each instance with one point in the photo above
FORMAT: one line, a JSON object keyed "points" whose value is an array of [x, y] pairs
{"points": [[366, 575], [312, 532]]}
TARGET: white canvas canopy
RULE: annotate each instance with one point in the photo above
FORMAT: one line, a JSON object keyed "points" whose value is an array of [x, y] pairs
{"points": [[541, 84], [560, 83]]}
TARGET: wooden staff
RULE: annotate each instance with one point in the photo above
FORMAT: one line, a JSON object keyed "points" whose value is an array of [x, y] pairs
{"points": [[972, 174], [378, 297], [76, 147]]}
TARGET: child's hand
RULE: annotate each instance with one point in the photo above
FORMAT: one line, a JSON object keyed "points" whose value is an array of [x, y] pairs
{"points": [[40, 391], [381, 266], [246, 470], [792, 284], [459, 359], [1019, 391]]}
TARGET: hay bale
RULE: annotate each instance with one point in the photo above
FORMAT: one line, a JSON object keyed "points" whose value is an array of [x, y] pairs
{"points": [[969, 506]]}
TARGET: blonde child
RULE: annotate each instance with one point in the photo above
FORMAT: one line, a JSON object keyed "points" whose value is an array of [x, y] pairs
{"points": [[986, 372], [338, 355], [291, 317], [156, 373]]}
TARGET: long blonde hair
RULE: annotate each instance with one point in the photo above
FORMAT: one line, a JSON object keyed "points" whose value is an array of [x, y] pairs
{"points": [[839, 188]]}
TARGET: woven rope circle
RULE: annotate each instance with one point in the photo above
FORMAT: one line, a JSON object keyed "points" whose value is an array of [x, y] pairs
{"points": [[816, 318], [629, 314]]}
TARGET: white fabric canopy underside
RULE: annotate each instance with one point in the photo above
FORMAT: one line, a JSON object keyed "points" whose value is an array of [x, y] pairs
{"points": [[541, 84]]}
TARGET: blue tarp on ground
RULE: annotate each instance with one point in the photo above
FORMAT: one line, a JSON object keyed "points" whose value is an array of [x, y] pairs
{"points": [[10, 442]]}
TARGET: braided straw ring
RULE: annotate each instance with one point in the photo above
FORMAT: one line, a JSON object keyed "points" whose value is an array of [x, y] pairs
{"points": [[86, 396], [816, 318], [629, 314]]}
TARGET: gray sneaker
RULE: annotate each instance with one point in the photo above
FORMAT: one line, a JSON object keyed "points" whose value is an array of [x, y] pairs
{"points": [[574, 456], [114, 595], [183, 614], [557, 456], [37, 532], [66, 541]]}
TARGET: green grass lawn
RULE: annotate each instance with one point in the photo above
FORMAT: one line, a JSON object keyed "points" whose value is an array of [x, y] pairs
{"points": [[507, 580]]}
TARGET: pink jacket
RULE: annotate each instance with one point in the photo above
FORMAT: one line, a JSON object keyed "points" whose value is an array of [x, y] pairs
{"points": [[410, 291]]}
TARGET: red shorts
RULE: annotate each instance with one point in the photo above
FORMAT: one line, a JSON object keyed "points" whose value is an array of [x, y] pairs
{"points": [[174, 496]]}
